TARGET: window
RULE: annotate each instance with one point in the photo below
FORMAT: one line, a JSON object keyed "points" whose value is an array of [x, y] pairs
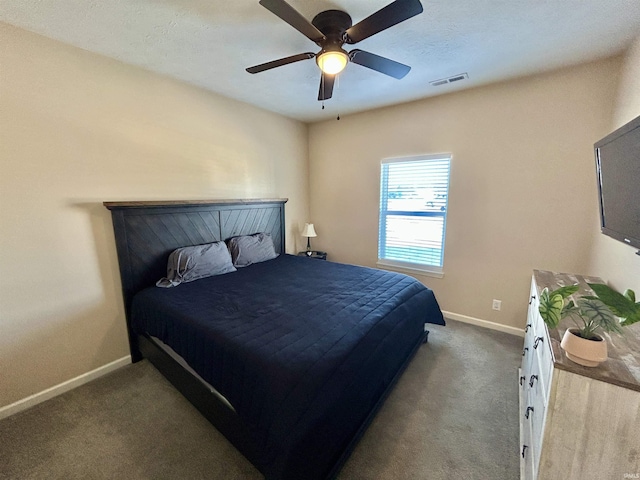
{"points": [[413, 212]]}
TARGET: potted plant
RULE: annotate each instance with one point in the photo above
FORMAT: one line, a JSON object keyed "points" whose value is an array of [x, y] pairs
{"points": [[607, 311]]}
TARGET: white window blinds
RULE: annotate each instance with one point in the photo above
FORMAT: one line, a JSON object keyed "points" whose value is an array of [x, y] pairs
{"points": [[413, 210]]}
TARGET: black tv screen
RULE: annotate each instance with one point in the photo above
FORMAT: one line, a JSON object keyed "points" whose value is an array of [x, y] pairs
{"points": [[618, 169]]}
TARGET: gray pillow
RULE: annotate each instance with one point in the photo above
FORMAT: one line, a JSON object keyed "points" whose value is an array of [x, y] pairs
{"points": [[248, 249], [187, 264]]}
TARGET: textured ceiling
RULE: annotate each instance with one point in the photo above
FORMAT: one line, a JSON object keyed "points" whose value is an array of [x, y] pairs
{"points": [[210, 43]]}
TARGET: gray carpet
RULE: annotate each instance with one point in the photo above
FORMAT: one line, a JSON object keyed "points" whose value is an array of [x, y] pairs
{"points": [[453, 414]]}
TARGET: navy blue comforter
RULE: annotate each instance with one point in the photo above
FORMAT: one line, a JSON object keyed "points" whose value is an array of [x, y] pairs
{"points": [[302, 348]]}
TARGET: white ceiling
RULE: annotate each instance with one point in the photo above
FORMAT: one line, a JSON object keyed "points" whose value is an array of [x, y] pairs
{"points": [[209, 43]]}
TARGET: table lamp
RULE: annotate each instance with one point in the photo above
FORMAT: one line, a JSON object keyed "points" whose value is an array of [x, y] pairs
{"points": [[308, 231]]}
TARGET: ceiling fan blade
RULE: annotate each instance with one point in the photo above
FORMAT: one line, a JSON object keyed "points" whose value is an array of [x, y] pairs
{"points": [[326, 86], [386, 17], [278, 63], [290, 15], [380, 64]]}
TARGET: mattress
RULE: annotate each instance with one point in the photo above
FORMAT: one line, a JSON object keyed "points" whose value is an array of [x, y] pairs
{"points": [[302, 348]]}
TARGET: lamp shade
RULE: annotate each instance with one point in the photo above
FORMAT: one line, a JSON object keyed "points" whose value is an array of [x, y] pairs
{"points": [[332, 61], [308, 230]]}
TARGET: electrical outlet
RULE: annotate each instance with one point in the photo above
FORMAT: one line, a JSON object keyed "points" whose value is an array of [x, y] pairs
{"points": [[497, 304]]}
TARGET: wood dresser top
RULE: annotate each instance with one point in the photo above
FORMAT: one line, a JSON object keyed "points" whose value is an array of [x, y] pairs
{"points": [[622, 366]]}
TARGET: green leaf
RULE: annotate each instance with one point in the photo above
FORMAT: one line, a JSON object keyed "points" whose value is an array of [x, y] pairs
{"points": [[599, 314], [630, 320], [551, 308], [630, 294], [544, 294], [565, 291], [619, 304], [569, 308]]}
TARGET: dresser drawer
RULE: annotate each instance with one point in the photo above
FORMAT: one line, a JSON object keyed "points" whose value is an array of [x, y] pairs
{"points": [[529, 450], [541, 347], [527, 467], [536, 383], [534, 303], [528, 353], [526, 446], [529, 335], [542, 356], [537, 405]]}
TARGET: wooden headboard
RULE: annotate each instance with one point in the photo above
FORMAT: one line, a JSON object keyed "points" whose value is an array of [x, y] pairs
{"points": [[147, 232]]}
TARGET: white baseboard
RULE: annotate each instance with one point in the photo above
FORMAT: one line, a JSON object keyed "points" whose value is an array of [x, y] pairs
{"points": [[484, 323], [63, 387]]}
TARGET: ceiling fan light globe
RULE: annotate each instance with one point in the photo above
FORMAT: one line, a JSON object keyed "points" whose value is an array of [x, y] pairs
{"points": [[332, 62]]}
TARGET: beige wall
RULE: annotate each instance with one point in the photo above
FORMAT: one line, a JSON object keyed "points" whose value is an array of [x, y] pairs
{"points": [[522, 189], [613, 260], [77, 129]]}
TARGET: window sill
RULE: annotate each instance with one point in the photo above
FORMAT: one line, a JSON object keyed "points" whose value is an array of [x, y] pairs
{"points": [[425, 271]]}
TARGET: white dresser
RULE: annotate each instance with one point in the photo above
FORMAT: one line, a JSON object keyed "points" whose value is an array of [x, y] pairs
{"points": [[577, 422]]}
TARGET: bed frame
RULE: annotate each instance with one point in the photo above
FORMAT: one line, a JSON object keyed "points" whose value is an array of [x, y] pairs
{"points": [[146, 233]]}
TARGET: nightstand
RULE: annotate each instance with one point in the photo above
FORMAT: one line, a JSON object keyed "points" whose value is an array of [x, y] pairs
{"points": [[314, 254]]}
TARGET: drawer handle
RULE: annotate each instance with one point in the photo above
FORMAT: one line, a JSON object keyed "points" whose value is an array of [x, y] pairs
{"points": [[522, 379], [533, 377], [525, 350], [533, 297], [526, 329], [538, 340], [529, 410], [524, 449]]}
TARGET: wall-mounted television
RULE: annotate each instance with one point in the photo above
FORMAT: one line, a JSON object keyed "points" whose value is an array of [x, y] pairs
{"points": [[618, 169]]}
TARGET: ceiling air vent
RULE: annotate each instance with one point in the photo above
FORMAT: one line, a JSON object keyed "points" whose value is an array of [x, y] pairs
{"points": [[444, 81]]}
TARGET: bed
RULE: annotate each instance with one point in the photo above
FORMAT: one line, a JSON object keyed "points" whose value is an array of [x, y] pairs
{"points": [[289, 358]]}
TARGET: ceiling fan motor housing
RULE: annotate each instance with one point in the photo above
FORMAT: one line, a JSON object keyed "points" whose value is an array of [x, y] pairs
{"points": [[333, 24]]}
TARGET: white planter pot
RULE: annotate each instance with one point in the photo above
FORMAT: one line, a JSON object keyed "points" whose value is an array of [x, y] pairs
{"points": [[589, 353]]}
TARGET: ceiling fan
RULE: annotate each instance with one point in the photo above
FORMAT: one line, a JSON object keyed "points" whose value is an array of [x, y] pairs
{"points": [[331, 29]]}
